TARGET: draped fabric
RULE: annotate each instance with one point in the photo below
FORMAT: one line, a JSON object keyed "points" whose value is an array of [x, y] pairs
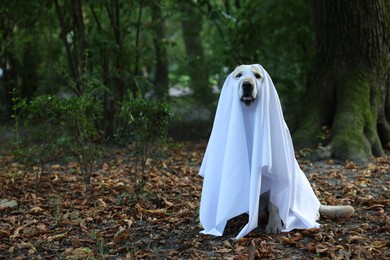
{"points": [[249, 152]]}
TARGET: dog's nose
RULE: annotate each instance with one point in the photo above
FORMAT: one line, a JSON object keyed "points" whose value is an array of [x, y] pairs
{"points": [[247, 86]]}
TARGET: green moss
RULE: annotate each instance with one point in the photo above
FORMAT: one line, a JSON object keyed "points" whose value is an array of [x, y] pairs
{"points": [[352, 115], [316, 111], [354, 127], [314, 116]]}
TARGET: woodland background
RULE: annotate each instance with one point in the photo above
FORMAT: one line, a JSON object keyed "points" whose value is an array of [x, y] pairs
{"points": [[106, 107], [118, 49], [330, 62]]}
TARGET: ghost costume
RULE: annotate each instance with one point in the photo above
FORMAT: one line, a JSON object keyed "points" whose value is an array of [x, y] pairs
{"points": [[250, 152]]}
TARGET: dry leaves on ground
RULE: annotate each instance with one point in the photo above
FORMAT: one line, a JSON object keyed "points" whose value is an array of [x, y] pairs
{"points": [[162, 223]]}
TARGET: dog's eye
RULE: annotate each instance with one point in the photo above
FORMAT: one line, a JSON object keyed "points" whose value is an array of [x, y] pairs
{"points": [[238, 75], [257, 75]]}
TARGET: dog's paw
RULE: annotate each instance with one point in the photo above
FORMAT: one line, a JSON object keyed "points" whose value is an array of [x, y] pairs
{"points": [[273, 228]]}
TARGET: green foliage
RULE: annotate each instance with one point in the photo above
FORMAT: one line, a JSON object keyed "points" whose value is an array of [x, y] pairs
{"points": [[274, 33], [37, 129], [146, 130], [78, 120], [147, 119], [17, 104], [118, 50], [57, 127]]}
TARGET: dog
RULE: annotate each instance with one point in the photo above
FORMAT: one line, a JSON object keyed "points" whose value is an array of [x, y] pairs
{"points": [[250, 80], [248, 84]]}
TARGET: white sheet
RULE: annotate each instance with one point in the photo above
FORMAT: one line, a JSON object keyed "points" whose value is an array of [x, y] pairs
{"points": [[250, 152]]}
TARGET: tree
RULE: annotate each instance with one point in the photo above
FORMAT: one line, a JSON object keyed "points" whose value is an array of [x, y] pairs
{"points": [[349, 90], [158, 29], [73, 37], [115, 79], [191, 24], [19, 21], [270, 33], [8, 61]]}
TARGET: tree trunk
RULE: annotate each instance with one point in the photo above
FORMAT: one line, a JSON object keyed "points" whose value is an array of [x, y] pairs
{"points": [[75, 49], [191, 24], [10, 78], [161, 79], [116, 80], [8, 63], [79, 43], [349, 88], [104, 57], [28, 72]]}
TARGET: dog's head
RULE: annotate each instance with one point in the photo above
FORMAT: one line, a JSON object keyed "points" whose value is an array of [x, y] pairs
{"points": [[250, 77]]}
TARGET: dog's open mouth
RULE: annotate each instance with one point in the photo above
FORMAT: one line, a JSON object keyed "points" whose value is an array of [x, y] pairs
{"points": [[247, 100]]}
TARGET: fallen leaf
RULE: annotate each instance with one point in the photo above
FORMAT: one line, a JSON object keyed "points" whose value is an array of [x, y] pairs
{"points": [[121, 235], [36, 210], [19, 229], [353, 239], [78, 253], [57, 237], [167, 203], [42, 227], [223, 250], [321, 248], [129, 222], [151, 211], [101, 203], [311, 247], [227, 243], [379, 244], [8, 204]]}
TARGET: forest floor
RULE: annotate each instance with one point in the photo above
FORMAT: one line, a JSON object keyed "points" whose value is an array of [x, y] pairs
{"points": [[58, 222]]}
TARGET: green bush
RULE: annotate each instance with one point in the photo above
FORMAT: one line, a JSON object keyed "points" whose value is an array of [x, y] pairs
{"points": [[79, 132], [37, 131], [49, 126], [146, 123]]}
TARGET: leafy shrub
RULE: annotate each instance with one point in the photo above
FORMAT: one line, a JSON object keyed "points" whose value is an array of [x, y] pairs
{"points": [[54, 126], [37, 130], [146, 128], [78, 121]]}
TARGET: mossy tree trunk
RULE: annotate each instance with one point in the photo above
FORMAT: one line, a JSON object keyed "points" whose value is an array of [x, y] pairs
{"points": [[349, 91]]}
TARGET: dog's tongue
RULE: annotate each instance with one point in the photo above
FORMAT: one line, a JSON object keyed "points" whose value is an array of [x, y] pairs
{"points": [[247, 98]]}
